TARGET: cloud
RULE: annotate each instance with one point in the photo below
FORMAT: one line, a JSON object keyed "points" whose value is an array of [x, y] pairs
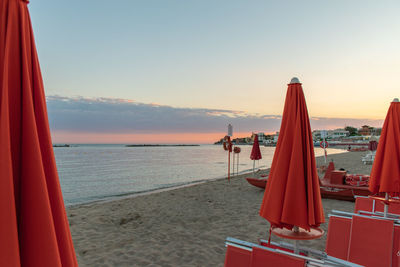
{"points": [[122, 116]]}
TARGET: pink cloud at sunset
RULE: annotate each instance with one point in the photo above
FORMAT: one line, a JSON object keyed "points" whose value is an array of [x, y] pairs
{"points": [[103, 120], [61, 137]]}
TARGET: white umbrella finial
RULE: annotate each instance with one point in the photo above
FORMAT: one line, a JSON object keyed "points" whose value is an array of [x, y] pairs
{"points": [[396, 100], [294, 80]]}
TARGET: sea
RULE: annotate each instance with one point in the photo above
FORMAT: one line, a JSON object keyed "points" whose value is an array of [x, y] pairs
{"points": [[90, 173]]}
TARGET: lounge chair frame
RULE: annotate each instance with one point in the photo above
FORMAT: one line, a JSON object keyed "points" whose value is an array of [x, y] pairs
{"points": [[323, 258]]}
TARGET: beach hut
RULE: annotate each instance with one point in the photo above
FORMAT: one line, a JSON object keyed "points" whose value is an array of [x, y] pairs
{"points": [[34, 229]]}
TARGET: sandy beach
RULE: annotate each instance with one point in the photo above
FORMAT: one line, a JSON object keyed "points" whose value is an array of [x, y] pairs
{"points": [[183, 227]]}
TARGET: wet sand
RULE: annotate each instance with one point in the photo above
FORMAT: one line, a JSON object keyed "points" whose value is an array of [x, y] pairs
{"points": [[183, 227]]}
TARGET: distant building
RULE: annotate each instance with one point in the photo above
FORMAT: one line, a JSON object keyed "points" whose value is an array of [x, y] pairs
{"points": [[365, 130], [338, 133], [330, 134], [276, 136], [261, 137], [268, 141], [376, 131], [316, 134]]}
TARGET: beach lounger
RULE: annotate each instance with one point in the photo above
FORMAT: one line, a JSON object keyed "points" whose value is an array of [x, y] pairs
{"points": [[396, 246], [307, 257], [366, 205], [237, 256], [267, 258], [376, 232], [338, 236], [369, 158], [371, 207], [371, 241]]}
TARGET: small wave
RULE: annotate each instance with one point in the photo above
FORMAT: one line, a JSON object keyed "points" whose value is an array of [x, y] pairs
{"points": [[106, 198]]}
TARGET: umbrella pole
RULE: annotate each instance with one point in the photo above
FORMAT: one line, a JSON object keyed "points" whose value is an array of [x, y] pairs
{"points": [[296, 242], [386, 207], [233, 164], [324, 150], [229, 165], [254, 165], [237, 164]]}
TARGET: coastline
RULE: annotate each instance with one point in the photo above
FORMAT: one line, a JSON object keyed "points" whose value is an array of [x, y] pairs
{"points": [[184, 226]]}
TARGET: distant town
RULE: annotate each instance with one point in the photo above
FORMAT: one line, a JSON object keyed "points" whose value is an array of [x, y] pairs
{"points": [[348, 134]]}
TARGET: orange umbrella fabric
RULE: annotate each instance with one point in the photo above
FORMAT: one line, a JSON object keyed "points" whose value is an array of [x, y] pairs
{"points": [[255, 151], [34, 229], [385, 173], [292, 196]]}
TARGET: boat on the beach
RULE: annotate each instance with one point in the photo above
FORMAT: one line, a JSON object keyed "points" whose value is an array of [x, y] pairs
{"points": [[261, 183], [337, 184]]}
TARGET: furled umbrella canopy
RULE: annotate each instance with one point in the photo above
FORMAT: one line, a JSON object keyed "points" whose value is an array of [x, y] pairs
{"points": [[372, 145], [292, 196], [385, 173], [34, 229], [255, 151]]}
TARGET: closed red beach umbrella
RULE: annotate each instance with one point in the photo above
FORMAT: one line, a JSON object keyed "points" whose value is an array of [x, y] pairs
{"points": [[372, 145], [385, 173], [255, 151], [292, 196], [34, 229]]}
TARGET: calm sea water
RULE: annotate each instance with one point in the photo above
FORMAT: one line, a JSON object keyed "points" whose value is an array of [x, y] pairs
{"points": [[100, 172]]}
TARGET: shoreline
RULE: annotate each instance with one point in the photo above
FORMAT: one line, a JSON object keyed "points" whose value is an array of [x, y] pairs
{"points": [[107, 198], [160, 145], [184, 226]]}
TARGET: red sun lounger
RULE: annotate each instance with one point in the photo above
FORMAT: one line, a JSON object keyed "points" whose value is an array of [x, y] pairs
{"points": [[277, 254], [265, 258], [370, 205], [371, 241], [337, 241], [237, 257], [396, 246]]}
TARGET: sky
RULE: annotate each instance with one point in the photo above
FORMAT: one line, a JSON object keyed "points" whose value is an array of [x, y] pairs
{"points": [[179, 71]]}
